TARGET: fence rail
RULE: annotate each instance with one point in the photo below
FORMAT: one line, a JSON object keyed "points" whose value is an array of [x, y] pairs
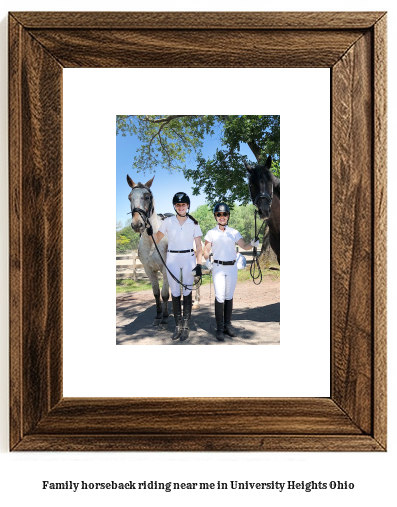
{"points": [[129, 265]]}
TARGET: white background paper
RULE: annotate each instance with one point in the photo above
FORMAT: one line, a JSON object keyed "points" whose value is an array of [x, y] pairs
{"points": [[93, 364], [373, 473]]}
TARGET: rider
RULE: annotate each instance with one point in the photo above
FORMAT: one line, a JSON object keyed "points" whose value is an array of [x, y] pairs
{"points": [[222, 239], [181, 229]]}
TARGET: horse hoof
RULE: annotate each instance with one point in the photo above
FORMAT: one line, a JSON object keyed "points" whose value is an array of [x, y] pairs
{"points": [[163, 325], [156, 322]]}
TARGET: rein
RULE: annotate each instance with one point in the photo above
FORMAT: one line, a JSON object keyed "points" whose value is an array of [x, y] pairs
{"points": [[255, 260]]}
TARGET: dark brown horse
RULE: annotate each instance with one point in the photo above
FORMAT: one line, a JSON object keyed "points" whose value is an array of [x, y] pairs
{"points": [[264, 189]]}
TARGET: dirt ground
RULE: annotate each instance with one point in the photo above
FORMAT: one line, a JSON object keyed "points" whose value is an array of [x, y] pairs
{"points": [[256, 317]]}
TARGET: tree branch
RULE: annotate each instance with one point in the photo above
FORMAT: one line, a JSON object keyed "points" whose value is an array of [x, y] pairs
{"points": [[167, 119], [255, 150], [165, 151]]}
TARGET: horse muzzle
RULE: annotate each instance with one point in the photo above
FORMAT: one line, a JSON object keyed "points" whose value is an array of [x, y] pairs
{"points": [[264, 213], [138, 226]]}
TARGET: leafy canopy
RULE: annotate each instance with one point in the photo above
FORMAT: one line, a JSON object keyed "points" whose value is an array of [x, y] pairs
{"points": [[167, 141]]}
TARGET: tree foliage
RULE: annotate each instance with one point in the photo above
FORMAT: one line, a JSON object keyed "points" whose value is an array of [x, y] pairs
{"points": [[167, 141], [126, 238], [241, 218]]}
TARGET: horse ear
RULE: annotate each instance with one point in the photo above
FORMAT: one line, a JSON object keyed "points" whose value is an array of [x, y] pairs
{"points": [[149, 183], [248, 167], [130, 182], [268, 162]]}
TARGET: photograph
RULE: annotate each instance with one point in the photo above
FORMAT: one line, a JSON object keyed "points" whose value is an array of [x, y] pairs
{"points": [[197, 199], [198, 251]]}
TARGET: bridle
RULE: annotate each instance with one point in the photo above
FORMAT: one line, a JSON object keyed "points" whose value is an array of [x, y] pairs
{"points": [[145, 215], [262, 195]]}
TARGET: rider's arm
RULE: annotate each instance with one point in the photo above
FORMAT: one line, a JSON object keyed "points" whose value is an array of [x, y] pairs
{"points": [[198, 249], [207, 249], [158, 237], [244, 245]]}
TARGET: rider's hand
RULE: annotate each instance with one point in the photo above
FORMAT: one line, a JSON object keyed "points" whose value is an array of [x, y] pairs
{"points": [[208, 263], [254, 243], [197, 270]]}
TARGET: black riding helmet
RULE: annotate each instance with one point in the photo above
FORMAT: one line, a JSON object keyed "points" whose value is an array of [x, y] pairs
{"points": [[221, 206], [181, 197]]}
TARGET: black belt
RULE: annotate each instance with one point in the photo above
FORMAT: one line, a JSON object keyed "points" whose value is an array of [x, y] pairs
{"points": [[225, 263], [180, 251]]}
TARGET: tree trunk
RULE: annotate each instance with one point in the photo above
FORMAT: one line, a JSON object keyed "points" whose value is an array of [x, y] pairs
{"points": [[255, 150], [267, 255]]}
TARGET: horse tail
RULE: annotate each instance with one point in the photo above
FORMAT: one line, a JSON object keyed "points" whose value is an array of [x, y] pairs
{"points": [[192, 218]]}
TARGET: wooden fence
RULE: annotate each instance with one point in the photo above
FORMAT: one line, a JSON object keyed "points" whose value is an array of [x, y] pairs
{"points": [[129, 266]]}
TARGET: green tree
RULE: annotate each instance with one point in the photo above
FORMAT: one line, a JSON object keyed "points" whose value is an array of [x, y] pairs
{"points": [[241, 218], [203, 214], [126, 239], [167, 141]]}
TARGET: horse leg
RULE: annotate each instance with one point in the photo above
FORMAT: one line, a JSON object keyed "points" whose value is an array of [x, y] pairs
{"points": [[165, 294], [156, 292], [196, 304]]}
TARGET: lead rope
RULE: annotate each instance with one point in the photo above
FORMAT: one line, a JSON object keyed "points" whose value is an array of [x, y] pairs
{"points": [[255, 260]]}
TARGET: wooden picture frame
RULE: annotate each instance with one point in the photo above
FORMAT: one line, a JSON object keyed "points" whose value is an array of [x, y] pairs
{"points": [[353, 46]]}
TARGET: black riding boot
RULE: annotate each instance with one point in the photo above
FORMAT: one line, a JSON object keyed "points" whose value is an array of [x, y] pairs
{"points": [[228, 328], [187, 311], [219, 321], [176, 306]]}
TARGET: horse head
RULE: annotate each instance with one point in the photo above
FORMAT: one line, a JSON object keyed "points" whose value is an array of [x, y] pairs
{"points": [[262, 184], [142, 204]]}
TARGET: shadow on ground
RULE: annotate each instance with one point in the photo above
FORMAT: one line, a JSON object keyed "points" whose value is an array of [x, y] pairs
{"points": [[255, 326]]}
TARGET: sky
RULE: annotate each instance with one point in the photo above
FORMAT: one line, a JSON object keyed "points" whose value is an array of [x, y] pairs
{"points": [[165, 183]]}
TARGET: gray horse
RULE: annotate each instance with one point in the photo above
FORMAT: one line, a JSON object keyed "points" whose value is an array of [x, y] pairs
{"points": [[141, 197], [142, 208]]}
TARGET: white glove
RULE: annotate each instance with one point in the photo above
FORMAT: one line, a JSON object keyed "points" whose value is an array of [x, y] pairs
{"points": [[254, 243], [208, 263]]}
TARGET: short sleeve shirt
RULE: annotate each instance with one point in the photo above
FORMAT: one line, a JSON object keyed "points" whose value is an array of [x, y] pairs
{"points": [[223, 243], [180, 237]]}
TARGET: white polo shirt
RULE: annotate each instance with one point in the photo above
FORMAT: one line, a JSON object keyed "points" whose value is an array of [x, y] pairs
{"points": [[223, 243], [180, 237]]}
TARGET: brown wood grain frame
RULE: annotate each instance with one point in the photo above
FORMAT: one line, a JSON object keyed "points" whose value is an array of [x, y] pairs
{"points": [[353, 46]]}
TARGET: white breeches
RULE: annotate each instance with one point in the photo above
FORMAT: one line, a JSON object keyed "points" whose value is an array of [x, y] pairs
{"points": [[225, 281], [176, 262]]}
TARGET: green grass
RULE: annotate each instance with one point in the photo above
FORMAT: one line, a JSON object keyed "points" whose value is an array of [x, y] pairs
{"points": [[128, 285], [243, 275]]}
